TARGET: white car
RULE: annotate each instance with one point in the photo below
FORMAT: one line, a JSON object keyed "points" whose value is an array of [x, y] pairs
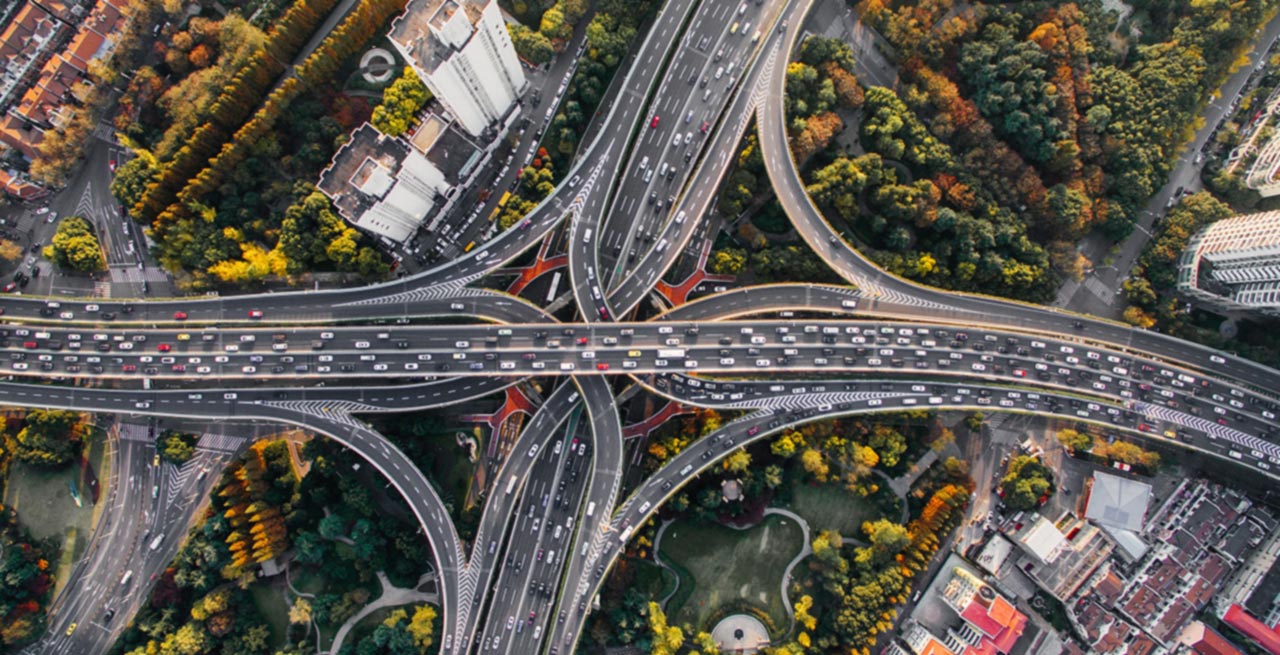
{"points": [[411, 366]]}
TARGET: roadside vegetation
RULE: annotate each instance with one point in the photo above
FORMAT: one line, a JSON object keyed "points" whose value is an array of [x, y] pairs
{"points": [[330, 528]]}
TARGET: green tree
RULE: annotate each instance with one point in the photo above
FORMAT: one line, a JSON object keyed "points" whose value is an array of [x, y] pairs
{"points": [[531, 46], [132, 177], [401, 102], [74, 246], [1025, 482], [49, 437]]}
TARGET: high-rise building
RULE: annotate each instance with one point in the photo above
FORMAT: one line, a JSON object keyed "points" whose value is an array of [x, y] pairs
{"points": [[1234, 264], [461, 50]]}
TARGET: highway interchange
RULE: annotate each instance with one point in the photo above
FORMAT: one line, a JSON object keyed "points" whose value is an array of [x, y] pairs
{"points": [[554, 522]]}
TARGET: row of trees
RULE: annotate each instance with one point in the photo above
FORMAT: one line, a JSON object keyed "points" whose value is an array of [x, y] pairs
{"points": [[1084, 444]]}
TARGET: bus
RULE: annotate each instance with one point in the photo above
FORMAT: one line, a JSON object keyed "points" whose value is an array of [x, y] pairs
{"points": [[501, 203], [555, 286], [671, 353], [626, 534], [511, 486]]}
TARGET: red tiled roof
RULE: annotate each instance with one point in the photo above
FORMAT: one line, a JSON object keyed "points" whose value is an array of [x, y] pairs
{"points": [[19, 188], [977, 615], [935, 647], [1206, 641], [1252, 628]]}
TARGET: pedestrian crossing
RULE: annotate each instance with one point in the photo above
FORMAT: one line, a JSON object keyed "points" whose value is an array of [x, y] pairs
{"points": [[220, 443]]}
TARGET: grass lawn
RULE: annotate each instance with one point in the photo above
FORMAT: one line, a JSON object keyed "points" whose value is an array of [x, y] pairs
{"points": [[652, 580], [731, 565], [45, 505], [831, 507], [268, 599]]}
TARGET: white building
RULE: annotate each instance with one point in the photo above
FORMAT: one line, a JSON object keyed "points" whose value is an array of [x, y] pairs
{"points": [[388, 186], [1234, 264], [461, 50]]}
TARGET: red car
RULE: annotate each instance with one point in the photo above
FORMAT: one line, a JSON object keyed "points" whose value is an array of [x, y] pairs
{"points": [[704, 127], [255, 313], [164, 347], [29, 345], [602, 366], [10, 287], [179, 316], [654, 123], [604, 313], [582, 341], [129, 368]]}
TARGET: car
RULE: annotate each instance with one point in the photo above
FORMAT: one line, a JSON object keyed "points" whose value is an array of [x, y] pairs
{"points": [[66, 316], [177, 316], [111, 164], [71, 629], [654, 123], [164, 347], [602, 366], [255, 313]]}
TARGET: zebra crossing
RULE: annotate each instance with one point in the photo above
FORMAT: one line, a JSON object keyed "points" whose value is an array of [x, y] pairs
{"points": [[220, 443], [1161, 413]]}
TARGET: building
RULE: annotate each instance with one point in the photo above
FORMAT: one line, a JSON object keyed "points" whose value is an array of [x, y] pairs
{"points": [[1118, 502], [1200, 639], [1255, 630], [1233, 265], [989, 623], [462, 52], [389, 186], [46, 53]]}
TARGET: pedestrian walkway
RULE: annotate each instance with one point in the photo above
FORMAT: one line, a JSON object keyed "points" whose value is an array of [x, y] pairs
{"points": [[391, 596]]}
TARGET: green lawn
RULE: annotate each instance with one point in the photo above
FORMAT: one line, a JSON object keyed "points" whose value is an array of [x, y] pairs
{"points": [[652, 580], [46, 507], [731, 565], [831, 507], [268, 599]]}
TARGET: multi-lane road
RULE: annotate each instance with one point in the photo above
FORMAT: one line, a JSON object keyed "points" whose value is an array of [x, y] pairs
{"points": [[554, 520]]}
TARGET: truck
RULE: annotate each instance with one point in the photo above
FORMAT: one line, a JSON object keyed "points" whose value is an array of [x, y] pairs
{"points": [[671, 353], [511, 485]]}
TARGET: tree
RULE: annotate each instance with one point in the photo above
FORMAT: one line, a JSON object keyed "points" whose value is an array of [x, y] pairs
{"points": [[1074, 441], [300, 612], [176, 447], [531, 46], [667, 640], [50, 437], [401, 102], [1026, 481], [10, 251], [815, 464], [74, 246], [729, 261], [422, 626], [737, 462], [887, 539]]}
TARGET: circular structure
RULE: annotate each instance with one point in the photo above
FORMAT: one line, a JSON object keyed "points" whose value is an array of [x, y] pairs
{"points": [[377, 66], [740, 633]]}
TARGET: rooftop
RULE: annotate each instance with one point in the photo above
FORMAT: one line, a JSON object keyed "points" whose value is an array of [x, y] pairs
{"points": [[1118, 502]]}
